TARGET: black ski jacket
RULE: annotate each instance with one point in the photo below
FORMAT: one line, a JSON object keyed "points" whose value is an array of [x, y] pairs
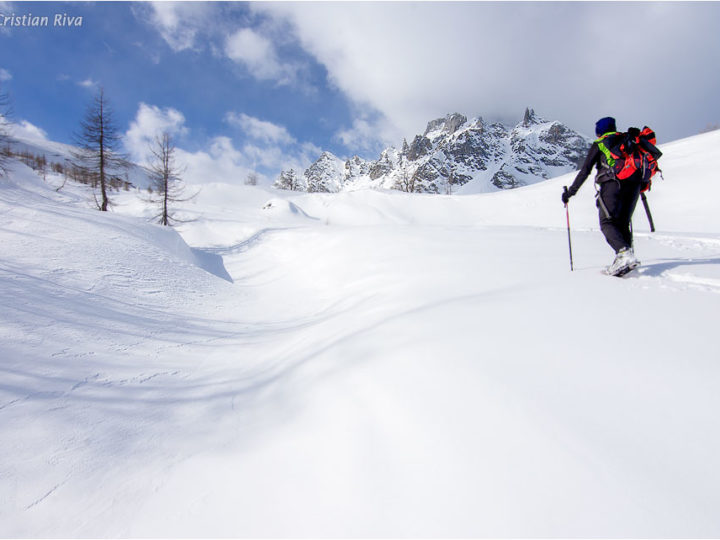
{"points": [[595, 158]]}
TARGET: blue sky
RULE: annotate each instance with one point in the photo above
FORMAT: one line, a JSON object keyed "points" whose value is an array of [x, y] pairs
{"points": [[53, 73], [265, 86]]}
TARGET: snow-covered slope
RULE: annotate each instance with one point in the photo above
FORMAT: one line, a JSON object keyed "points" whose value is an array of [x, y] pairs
{"points": [[36, 145], [372, 364]]}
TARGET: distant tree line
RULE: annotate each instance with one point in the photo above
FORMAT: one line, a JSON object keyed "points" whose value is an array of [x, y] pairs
{"points": [[4, 131], [70, 171]]}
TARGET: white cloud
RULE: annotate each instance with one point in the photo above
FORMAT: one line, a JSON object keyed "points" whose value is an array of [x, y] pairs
{"points": [[213, 26], [150, 122], [220, 160], [5, 75], [88, 83], [26, 130], [274, 159], [368, 134], [5, 9], [415, 61], [259, 129], [179, 23], [259, 56]]}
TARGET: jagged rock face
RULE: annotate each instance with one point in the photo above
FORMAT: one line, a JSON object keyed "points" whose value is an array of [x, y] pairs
{"points": [[476, 147], [540, 148], [504, 179], [421, 146], [449, 124], [429, 176], [326, 175], [454, 152], [529, 118], [573, 147], [385, 165], [356, 167]]}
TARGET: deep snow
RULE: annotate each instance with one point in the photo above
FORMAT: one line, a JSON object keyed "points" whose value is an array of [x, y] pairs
{"points": [[360, 364]]}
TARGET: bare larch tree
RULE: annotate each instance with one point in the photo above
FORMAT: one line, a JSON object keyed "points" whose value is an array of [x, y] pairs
{"points": [[98, 147], [406, 182], [165, 179]]}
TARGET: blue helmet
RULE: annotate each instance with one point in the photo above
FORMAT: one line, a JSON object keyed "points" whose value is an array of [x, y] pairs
{"points": [[604, 125]]}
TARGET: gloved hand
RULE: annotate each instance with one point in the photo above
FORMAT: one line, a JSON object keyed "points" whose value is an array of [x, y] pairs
{"points": [[566, 196]]}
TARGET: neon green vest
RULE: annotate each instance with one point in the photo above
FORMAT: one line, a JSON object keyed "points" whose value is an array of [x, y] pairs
{"points": [[604, 149]]}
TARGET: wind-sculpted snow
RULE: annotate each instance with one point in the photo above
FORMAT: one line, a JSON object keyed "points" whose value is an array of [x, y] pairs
{"points": [[365, 364]]}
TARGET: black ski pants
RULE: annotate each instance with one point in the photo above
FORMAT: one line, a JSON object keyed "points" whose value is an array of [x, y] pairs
{"points": [[616, 203]]}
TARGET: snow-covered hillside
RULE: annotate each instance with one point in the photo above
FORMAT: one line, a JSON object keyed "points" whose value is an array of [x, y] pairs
{"points": [[360, 364], [33, 143]]}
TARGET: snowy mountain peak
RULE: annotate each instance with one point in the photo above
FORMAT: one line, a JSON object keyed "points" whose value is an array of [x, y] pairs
{"points": [[450, 124], [327, 156], [327, 174], [454, 155], [530, 118], [356, 166]]}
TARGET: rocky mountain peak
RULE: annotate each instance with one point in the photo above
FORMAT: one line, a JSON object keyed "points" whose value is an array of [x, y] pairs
{"points": [[530, 118], [356, 166], [450, 124], [327, 157], [327, 174], [455, 154]]}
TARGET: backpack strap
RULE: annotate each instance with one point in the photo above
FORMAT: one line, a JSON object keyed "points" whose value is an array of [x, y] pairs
{"points": [[609, 157], [598, 196]]}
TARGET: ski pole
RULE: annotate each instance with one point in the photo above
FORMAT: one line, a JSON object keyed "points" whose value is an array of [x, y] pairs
{"points": [[647, 211], [567, 214]]}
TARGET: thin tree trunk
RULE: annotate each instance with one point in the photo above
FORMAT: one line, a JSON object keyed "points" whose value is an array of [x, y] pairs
{"points": [[103, 190]]}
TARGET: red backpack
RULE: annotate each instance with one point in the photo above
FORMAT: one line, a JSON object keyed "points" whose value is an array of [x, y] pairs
{"points": [[628, 153]]}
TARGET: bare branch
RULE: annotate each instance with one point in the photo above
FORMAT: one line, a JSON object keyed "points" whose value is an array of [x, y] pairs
{"points": [[166, 182], [98, 142]]}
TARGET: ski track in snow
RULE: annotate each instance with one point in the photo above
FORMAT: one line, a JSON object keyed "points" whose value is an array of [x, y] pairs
{"points": [[693, 281], [365, 364], [695, 255]]}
